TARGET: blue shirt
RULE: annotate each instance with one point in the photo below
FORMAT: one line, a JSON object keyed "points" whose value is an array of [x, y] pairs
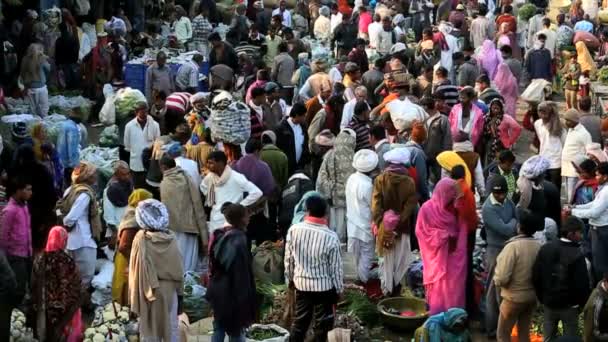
{"points": [[68, 144], [584, 25]]}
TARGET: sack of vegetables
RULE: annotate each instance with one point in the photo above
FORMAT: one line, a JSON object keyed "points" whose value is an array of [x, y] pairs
{"points": [[126, 101], [267, 333]]}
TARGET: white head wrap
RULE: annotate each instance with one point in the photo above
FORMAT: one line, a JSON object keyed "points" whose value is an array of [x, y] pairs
{"points": [[365, 160], [534, 167], [152, 215], [399, 155]]}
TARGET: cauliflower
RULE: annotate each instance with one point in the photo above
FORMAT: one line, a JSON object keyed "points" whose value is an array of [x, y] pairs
{"points": [[17, 325], [109, 316], [89, 333], [115, 327], [15, 334], [99, 338], [102, 330], [123, 316]]}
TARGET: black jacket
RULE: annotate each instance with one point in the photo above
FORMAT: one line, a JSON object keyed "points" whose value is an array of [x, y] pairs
{"points": [[345, 35], [229, 58], [560, 275], [67, 48], [296, 187], [8, 282], [553, 206], [286, 142]]}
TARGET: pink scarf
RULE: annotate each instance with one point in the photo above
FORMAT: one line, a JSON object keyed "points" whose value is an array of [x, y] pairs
{"points": [[506, 85]]}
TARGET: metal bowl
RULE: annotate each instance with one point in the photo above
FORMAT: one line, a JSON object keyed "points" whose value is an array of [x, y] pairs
{"points": [[401, 304]]}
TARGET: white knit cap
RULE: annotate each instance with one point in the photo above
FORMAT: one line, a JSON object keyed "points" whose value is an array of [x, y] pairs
{"points": [[365, 160], [399, 155]]}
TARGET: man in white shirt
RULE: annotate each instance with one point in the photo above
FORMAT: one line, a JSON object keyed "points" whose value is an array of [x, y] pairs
{"points": [[349, 107], [336, 17], [551, 35], [597, 213], [284, 13], [552, 137], [373, 30], [574, 147], [186, 79], [221, 185], [358, 190], [140, 133]]}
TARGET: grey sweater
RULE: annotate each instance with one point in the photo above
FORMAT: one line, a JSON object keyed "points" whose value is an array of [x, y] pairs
{"points": [[500, 222]]}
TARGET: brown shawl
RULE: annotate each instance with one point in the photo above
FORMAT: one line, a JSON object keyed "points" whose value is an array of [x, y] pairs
{"points": [[155, 275], [184, 204]]}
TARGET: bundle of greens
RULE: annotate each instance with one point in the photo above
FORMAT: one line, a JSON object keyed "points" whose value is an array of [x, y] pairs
{"points": [[526, 12], [359, 305], [602, 75]]}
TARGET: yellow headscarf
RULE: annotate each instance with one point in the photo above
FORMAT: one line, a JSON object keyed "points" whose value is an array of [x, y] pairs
{"points": [[139, 195], [584, 58], [38, 136], [448, 159]]}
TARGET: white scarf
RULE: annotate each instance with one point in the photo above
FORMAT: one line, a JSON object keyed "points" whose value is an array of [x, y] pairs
{"points": [[258, 110], [212, 181]]}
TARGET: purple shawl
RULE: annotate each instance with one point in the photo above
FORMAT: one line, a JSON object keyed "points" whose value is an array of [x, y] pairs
{"points": [[257, 172]]}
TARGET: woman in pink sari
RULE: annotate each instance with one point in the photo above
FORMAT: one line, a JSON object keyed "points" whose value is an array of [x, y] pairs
{"points": [[506, 85], [443, 246], [489, 57]]}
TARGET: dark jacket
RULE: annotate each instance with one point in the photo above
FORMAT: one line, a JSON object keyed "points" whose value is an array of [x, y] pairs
{"points": [[489, 94], [228, 58], [560, 275], [345, 35], [553, 206], [231, 290], [467, 73], [66, 50], [538, 64], [8, 281], [286, 142], [297, 186], [492, 170]]}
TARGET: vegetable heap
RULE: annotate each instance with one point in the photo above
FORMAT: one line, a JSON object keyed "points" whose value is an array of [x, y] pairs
{"points": [[19, 332], [526, 12], [109, 324], [261, 334], [602, 75], [127, 100]]}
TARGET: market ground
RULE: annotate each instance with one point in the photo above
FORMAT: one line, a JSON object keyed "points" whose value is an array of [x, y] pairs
{"points": [[522, 151]]}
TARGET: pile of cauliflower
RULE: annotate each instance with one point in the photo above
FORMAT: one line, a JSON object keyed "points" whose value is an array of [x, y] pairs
{"points": [[19, 332], [111, 324]]}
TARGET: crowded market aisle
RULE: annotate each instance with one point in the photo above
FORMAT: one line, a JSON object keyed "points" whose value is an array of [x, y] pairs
{"points": [[309, 169]]}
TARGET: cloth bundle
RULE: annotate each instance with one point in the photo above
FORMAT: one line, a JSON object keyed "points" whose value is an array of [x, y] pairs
{"points": [[230, 120]]}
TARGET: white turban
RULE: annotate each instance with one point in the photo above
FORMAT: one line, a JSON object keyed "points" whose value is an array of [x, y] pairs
{"points": [[534, 167], [365, 160], [198, 97], [152, 215], [399, 155]]}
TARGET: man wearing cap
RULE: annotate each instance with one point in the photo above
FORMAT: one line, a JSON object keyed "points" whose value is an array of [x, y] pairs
{"points": [[561, 280], [277, 108], [358, 190], [500, 223], [139, 134], [394, 190], [574, 146]]}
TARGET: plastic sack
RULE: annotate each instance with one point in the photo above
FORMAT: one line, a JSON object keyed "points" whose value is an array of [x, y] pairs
{"points": [[535, 92], [603, 16], [591, 41], [231, 123], [283, 338], [109, 137], [404, 113], [103, 280], [107, 115], [268, 263], [126, 101], [195, 305]]}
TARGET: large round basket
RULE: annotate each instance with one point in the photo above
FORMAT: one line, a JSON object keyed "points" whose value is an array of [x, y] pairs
{"points": [[401, 304]]}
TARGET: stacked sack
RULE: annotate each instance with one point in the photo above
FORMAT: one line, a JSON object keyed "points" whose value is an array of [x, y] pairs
{"points": [[230, 119]]}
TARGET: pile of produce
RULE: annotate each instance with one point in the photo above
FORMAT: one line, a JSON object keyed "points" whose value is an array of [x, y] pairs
{"points": [[602, 75], [267, 332], [526, 12], [126, 101], [64, 105], [357, 304], [109, 137], [101, 157], [111, 323], [272, 299], [19, 332], [195, 305]]}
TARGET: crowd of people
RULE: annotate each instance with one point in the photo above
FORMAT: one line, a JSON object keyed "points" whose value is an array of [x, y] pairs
{"points": [[376, 128]]}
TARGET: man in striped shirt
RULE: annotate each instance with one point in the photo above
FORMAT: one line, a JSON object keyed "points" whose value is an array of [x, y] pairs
{"points": [[443, 85], [313, 267]]}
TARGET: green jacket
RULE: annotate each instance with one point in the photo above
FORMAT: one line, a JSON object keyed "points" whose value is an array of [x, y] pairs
{"points": [[278, 163]]}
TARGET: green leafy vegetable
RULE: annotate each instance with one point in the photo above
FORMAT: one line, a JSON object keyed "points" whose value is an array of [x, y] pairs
{"points": [[526, 12]]}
